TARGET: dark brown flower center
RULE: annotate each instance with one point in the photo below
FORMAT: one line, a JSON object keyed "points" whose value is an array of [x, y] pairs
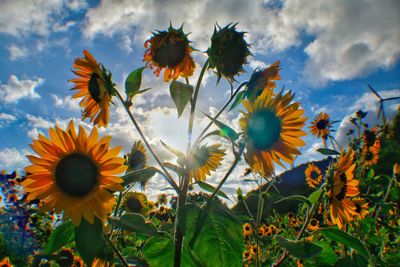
{"points": [[94, 87], [321, 124], [134, 204], [201, 157], [369, 155], [171, 49], [76, 174], [247, 228], [369, 138], [314, 175], [137, 160], [343, 190], [358, 207], [313, 222], [264, 129], [65, 258]]}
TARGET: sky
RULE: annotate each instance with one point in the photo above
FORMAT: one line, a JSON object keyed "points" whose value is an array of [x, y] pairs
{"points": [[329, 52]]}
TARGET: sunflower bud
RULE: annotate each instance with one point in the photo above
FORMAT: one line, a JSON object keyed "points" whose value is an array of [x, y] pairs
{"points": [[228, 52]]}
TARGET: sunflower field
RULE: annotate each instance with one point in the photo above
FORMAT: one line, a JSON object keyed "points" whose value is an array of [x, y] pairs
{"points": [[77, 203]]}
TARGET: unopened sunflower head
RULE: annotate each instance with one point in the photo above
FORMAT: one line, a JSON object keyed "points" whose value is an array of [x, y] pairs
{"points": [[273, 128], [228, 52], [74, 173], [95, 87], [136, 202], [169, 50], [262, 79]]}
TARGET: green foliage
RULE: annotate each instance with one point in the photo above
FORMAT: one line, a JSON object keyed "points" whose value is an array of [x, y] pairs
{"points": [[142, 175], [327, 151], [209, 188], [300, 248], [133, 82], [61, 236], [181, 94], [134, 222]]}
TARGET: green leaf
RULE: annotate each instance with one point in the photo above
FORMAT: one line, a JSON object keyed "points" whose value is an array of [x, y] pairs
{"points": [[238, 99], [219, 241], [134, 222], [159, 251], [174, 151], [225, 130], [209, 188], [61, 236], [327, 255], [295, 197], [300, 248], [133, 82], [141, 175], [89, 240], [344, 238], [352, 261], [327, 151], [178, 169], [181, 94], [188, 216], [314, 196]]}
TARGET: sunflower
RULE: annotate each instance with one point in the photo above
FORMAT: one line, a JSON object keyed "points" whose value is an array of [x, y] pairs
{"points": [[313, 225], [204, 160], [74, 173], [162, 199], [361, 207], [313, 175], [96, 88], [341, 187], [65, 257], [247, 230], [228, 52], [371, 156], [137, 158], [78, 262], [320, 126], [5, 262], [272, 126], [170, 50], [262, 79], [370, 139], [136, 202], [97, 262]]}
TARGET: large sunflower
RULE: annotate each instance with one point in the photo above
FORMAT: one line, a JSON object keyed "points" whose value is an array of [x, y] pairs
{"points": [[341, 187], [273, 127], [94, 85], [204, 160], [136, 202], [320, 126], [74, 173], [313, 175], [169, 50]]}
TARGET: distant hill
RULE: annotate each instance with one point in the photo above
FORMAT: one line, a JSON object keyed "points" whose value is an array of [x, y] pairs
{"points": [[291, 182]]}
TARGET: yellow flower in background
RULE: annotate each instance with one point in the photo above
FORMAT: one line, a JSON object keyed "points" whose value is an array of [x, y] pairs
{"points": [[136, 202], [162, 199], [313, 225], [169, 50], [361, 207], [371, 156], [371, 139], [97, 262], [137, 158], [313, 175], [320, 126], [94, 85], [273, 127], [341, 187], [74, 173], [247, 230], [205, 159]]}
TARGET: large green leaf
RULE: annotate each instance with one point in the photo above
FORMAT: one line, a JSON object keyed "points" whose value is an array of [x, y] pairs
{"points": [[181, 94], [313, 198], [133, 82], [89, 240], [220, 240], [61, 236], [353, 261], [134, 222], [299, 248], [209, 188], [159, 251], [225, 130], [137, 176], [327, 255], [238, 100], [344, 238]]}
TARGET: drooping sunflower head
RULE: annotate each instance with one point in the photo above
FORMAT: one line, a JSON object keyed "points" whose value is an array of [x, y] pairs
{"points": [[136, 202], [228, 52], [313, 225], [95, 87], [321, 125], [137, 158], [313, 175], [169, 50], [273, 127], [361, 207], [205, 159], [74, 173], [262, 79]]}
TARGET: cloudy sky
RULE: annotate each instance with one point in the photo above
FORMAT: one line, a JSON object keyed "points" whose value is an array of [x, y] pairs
{"points": [[329, 51]]}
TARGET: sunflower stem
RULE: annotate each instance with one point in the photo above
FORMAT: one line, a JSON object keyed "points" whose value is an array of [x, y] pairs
{"points": [[183, 194], [167, 174], [198, 139], [119, 255]]}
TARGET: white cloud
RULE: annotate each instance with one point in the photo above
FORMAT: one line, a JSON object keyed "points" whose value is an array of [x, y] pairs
{"points": [[17, 52], [66, 102], [6, 119], [12, 158], [15, 89], [336, 52], [126, 44], [254, 64]]}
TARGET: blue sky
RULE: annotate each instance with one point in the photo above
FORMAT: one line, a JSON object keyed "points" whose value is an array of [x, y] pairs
{"points": [[329, 52]]}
